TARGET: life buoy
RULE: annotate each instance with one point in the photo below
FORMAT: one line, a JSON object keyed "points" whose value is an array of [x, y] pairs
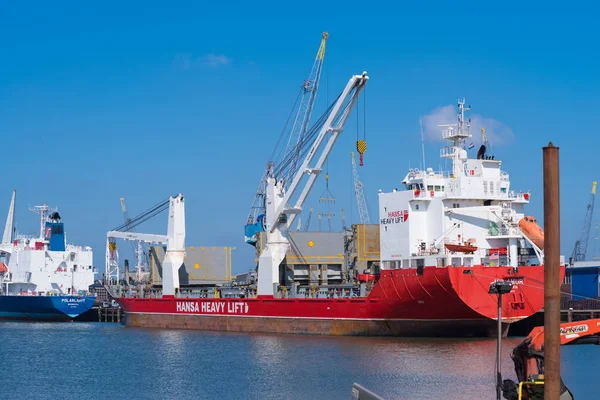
{"points": [[48, 233], [472, 172], [417, 193], [431, 193], [526, 196]]}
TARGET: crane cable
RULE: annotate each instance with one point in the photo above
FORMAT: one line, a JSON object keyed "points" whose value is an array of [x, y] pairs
{"points": [[361, 144], [143, 217], [282, 170], [279, 148]]}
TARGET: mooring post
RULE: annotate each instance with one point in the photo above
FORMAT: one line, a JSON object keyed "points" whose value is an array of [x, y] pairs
{"points": [[551, 273]]}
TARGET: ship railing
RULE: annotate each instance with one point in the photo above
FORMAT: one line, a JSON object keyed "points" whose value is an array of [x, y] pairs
{"points": [[518, 196], [447, 152], [316, 292]]}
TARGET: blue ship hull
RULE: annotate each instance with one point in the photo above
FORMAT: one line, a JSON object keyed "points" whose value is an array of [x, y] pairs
{"points": [[44, 308]]}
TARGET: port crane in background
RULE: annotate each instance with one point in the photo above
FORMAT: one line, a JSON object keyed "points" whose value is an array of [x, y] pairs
{"points": [[280, 211], [296, 142], [580, 248], [138, 249], [174, 240], [363, 210]]}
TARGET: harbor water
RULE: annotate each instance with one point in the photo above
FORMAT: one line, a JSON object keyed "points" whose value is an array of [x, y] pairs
{"points": [[107, 360]]}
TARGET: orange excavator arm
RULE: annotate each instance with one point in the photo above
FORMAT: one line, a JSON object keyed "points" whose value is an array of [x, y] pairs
{"points": [[529, 355]]}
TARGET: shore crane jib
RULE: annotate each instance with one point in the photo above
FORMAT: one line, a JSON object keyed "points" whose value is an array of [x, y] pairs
{"points": [[580, 248], [363, 210], [293, 150]]}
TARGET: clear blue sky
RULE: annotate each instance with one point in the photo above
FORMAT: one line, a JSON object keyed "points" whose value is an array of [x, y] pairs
{"points": [[141, 100]]}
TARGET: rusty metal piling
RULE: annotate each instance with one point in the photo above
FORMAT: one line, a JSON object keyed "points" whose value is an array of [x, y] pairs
{"points": [[551, 273]]}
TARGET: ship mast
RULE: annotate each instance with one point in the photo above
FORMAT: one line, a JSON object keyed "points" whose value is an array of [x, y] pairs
{"points": [[43, 211], [456, 134]]}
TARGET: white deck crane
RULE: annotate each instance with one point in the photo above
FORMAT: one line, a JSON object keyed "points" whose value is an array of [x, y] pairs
{"points": [[279, 214], [175, 240], [363, 210], [308, 94], [580, 248]]}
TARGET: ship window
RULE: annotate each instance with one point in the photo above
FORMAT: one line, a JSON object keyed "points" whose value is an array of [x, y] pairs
{"points": [[437, 188], [567, 280], [430, 187], [441, 262], [487, 202], [405, 263], [417, 207]]}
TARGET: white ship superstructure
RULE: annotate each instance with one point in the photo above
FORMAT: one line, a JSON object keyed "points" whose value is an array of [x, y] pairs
{"points": [[466, 216], [44, 264]]}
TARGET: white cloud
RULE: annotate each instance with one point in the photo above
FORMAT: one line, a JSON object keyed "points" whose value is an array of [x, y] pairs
{"points": [[215, 60], [496, 132], [187, 61]]}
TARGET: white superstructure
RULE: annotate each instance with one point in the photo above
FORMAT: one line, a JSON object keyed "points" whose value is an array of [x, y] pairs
{"points": [[44, 264], [466, 216]]}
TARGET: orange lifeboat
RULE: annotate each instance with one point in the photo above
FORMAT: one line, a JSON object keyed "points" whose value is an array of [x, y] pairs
{"points": [[532, 230], [462, 248]]}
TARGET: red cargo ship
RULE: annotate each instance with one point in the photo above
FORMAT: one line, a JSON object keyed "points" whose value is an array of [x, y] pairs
{"points": [[424, 284], [450, 301]]}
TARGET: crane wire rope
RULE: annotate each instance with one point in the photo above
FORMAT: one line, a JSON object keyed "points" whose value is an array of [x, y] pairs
{"points": [[143, 217]]}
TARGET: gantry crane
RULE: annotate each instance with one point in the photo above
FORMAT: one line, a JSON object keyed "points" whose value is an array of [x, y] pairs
{"points": [[295, 144], [363, 210], [580, 249]]}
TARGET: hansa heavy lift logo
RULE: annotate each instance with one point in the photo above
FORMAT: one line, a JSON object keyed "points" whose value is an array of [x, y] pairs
{"points": [[394, 217], [212, 307]]}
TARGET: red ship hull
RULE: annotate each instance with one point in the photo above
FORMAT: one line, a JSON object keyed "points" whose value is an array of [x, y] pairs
{"points": [[450, 301]]}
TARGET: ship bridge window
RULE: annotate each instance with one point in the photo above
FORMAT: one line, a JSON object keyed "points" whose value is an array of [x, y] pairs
{"points": [[57, 229], [567, 279], [438, 188], [429, 188]]}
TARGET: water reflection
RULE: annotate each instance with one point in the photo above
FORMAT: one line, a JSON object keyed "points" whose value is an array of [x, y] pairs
{"points": [[94, 360]]}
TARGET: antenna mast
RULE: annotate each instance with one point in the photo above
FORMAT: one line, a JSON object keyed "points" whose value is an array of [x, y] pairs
{"points": [[422, 143]]}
